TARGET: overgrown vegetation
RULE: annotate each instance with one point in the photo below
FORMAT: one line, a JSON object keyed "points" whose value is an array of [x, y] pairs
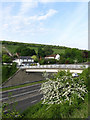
{"points": [[40, 111], [8, 71], [78, 108]]}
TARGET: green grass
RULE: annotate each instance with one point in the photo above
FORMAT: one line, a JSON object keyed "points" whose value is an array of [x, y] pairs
{"points": [[81, 113], [57, 111], [12, 49], [19, 86], [35, 48], [58, 51]]}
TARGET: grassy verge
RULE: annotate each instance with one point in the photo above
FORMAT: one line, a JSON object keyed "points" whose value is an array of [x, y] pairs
{"points": [[57, 111], [19, 86]]}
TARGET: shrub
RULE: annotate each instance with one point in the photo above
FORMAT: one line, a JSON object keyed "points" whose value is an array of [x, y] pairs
{"points": [[86, 76], [6, 59], [8, 71], [63, 89]]}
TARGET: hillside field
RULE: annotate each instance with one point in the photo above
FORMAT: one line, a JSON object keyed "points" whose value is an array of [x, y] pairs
{"points": [[12, 48]]}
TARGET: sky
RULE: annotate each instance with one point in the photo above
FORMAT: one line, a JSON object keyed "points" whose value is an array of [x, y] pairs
{"points": [[53, 23]]}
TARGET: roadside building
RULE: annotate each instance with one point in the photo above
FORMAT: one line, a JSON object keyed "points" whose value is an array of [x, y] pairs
{"points": [[24, 61]]}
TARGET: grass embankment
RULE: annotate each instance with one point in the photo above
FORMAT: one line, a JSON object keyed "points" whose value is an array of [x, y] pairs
{"points": [[19, 86], [58, 111]]}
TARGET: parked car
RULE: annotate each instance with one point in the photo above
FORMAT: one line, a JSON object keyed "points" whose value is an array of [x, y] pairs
{"points": [[75, 75]]}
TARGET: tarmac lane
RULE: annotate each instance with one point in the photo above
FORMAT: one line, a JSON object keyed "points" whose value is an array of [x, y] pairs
{"points": [[20, 90], [22, 98], [25, 103]]}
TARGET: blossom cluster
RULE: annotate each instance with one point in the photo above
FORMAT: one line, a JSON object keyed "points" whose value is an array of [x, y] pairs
{"points": [[63, 89]]}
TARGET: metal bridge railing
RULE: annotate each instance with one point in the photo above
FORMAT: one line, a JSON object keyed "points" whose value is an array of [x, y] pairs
{"points": [[62, 66]]}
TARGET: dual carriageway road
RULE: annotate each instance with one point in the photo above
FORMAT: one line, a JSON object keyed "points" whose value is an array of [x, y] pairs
{"points": [[24, 97]]}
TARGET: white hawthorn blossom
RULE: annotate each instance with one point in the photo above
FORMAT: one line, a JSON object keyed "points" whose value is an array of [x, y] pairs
{"points": [[62, 89]]}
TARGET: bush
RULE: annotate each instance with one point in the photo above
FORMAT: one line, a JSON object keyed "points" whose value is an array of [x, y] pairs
{"points": [[8, 71], [62, 89], [86, 76], [6, 59], [48, 61]]}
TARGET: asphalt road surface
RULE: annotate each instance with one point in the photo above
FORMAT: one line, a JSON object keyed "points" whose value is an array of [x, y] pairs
{"points": [[22, 98]]}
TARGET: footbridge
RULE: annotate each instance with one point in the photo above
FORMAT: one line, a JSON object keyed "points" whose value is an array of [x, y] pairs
{"points": [[78, 68]]}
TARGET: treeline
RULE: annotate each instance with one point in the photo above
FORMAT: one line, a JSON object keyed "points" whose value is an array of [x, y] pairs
{"points": [[75, 56], [32, 45], [41, 52]]}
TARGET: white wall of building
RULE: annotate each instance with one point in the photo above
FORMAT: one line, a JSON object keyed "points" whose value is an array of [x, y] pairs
{"points": [[20, 61], [57, 57]]}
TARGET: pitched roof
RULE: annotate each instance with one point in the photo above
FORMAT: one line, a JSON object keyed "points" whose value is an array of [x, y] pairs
{"points": [[25, 57], [54, 55]]}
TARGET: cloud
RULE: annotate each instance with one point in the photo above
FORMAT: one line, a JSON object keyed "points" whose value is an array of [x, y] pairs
{"points": [[21, 21], [28, 24], [50, 13], [26, 6]]}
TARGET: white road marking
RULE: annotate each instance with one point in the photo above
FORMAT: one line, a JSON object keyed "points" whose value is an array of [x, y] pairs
{"points": [[25, 98], [21, 94], [21, 88], [33, 101]]}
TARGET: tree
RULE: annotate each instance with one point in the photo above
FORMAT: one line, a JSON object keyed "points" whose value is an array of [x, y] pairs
{"points": [[33, 52], [25, 51], [48, 50], [62, 59], [41, 52], [85, 55], [8, 71], [6, 59], [20, 48], [67, 53], [42, 61], [72, 55], [50, 61], [35, 58], [69, 60], [89, 56]]}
